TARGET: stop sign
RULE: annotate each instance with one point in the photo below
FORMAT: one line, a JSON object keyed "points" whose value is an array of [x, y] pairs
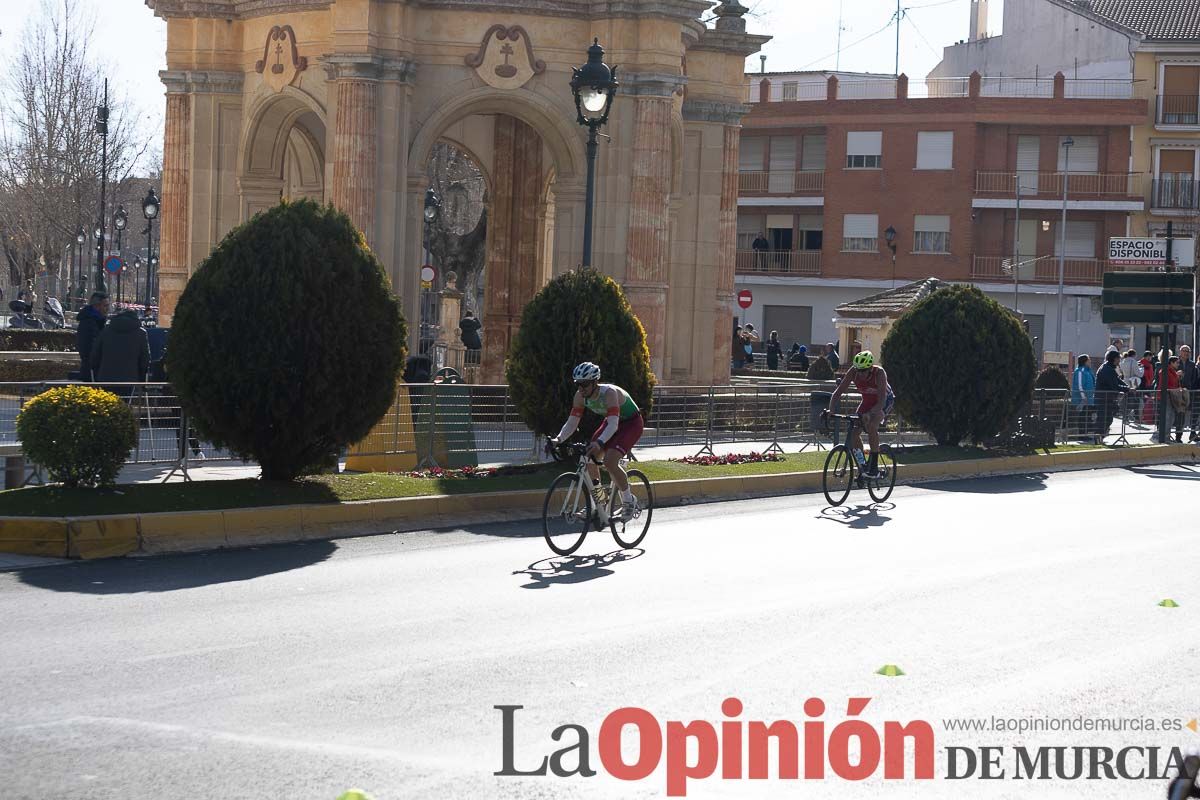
{"points": [[745, 298]]}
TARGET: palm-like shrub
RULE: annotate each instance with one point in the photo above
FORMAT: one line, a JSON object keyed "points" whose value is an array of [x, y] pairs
{"points": [[819, 369], [961, 364], [287, 343], [578, 316], [1052, 378], [81, 435]]}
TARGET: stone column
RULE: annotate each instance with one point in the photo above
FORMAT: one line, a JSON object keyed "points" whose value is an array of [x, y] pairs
{"points": [[355, 138], [726, 254], [203, 112], [648, 239], [173, 264]]}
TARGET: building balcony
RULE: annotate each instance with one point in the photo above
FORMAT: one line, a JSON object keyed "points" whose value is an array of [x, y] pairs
{"points": [[1175, 195], [813, 87], [1050, 184], [1076, 271], [801, 182], [1178, 110], [798, 263]]}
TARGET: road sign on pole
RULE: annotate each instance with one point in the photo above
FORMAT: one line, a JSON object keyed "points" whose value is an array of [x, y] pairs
{"points": [[113, 265], [745, 298]]}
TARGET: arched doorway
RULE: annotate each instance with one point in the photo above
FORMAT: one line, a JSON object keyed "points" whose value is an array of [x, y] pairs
{"points": [[284, 154], [519, 168]]}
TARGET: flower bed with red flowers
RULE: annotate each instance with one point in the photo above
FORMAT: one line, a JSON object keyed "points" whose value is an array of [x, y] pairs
{"points": [[438, 473], [731, 458]]}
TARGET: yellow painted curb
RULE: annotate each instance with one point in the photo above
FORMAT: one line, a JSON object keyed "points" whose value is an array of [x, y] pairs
{"points": [[178, 532], [330, 521], [266, 525], [102, 537], [33, 536]]}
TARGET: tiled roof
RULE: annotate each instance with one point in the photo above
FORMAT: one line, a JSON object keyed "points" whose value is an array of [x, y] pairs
{"points": [[1154, 19], [891, 303]]}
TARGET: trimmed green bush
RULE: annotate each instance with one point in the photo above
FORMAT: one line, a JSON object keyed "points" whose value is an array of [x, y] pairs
{"points": [[819, 369], [34, 339], [286, 344], [579, 316], [1052, 378], [961, 364], [81, 435]]}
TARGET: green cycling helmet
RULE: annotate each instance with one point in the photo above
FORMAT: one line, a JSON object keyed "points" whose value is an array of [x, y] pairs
{"points": [[864, 360]]}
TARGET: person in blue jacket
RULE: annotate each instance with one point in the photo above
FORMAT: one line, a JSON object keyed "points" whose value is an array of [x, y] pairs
{"points": [[1083, 394]]}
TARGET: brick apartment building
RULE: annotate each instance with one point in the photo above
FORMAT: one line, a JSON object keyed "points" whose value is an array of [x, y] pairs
{"points": [[829, 163]]}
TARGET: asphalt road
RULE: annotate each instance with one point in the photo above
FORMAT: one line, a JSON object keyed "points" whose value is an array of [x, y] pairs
{"points": [[299, 671]]}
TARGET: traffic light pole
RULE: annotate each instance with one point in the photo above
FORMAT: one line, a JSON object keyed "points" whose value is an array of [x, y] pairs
{"points": [[1164, 396]]}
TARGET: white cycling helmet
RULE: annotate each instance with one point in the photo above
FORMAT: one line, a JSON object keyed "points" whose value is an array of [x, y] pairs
{"points": [[587, 371]]}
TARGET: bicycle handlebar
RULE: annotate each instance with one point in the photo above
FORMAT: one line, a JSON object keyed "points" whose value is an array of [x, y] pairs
{"points": [[854, 417]]}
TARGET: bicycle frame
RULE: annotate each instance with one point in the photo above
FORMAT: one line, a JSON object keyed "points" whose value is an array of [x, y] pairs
{"points": [[585, 484]]}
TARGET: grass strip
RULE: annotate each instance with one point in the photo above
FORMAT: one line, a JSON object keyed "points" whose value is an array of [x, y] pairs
{"points": [[52, 501]]}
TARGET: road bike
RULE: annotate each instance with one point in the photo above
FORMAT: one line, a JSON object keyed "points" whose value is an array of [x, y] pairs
{"points": [[838, 477], [569, 511]]}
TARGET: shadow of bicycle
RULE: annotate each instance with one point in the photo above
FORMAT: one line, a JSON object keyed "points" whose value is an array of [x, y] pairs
{"points": [[858, 517], [575, 569]]}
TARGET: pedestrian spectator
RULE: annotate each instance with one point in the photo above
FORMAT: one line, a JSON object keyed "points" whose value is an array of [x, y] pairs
{"points": [[760, 247], [831, 356], [1189, 380], [799, 357], [121, 354], [1131, 373], [1109, 389], [749, 337], [1118, 346], [469, 326], [27, 294], [737, 351], [92, 320], [1177, 401], [774, 351], [1083, 395]]}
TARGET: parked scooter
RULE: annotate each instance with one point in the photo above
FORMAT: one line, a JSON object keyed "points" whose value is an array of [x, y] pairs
{"points": [[23, 316], [52, 314]]}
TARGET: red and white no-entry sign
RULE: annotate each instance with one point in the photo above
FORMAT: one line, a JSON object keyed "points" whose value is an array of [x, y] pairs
{"points": [[745, 298]]}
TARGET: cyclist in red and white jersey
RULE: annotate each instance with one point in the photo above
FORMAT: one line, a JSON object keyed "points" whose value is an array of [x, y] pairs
{"points": [[615, 438], [870, 380]]}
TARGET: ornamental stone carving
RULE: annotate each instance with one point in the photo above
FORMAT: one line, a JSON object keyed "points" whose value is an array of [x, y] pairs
{"points": [[505, 58], [281, 61]]}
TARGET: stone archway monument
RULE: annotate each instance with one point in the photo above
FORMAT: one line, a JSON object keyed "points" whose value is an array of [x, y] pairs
{"points": [[344, 100]]}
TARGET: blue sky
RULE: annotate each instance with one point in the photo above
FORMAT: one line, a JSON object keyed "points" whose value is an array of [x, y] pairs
{"points": [[131, 41]]}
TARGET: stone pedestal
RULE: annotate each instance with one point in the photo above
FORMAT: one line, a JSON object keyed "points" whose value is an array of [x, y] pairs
{"points": [[449, 338]]}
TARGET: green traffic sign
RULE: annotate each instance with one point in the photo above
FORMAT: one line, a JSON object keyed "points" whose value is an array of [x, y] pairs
{"points": [[1151, 298]]}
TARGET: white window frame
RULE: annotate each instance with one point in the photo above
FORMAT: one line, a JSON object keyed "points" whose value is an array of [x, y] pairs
{"points": [[860, 244], [858, 156], [930, 237]]}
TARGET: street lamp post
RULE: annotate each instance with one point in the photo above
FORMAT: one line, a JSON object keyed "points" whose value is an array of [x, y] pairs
{"points": [[594, 85], [120, 220], [102, 129], [1062, 251], [429, 310], [77, 278], [150, 211], [1016, 262], [890, 237]]}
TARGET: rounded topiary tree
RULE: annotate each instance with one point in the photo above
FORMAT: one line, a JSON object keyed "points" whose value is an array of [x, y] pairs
{"points": [[1052, 378], [287, 343], [819, 369], [961, 364], [578, 316], [81, 435]]}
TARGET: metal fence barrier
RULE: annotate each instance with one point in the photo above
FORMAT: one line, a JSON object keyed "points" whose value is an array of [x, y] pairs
{"points": [[460, 424]]}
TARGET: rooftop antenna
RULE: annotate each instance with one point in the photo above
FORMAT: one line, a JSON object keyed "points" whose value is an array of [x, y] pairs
{"points": [[763, 60], [838, 64], [899, 16]]}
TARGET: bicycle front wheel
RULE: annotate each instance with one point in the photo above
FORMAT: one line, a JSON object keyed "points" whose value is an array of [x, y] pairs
{"points": [[629, 531], [566, 514], [881, 486], [838, 475]]}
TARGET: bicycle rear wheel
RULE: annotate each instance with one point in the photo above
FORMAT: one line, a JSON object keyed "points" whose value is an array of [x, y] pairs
{"points": [[838, 475], [630, 532], [881, 486], [566, 514]]}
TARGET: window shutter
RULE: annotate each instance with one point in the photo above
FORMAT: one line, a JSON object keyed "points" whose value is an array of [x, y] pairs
{"points": [[1181, 80], [811, 222], [932, 223], [750, 223], [779, 221], [1085, 154], [813, 158], [1081, 239], [1176, 162], [750, 155], [861, 226], [783, 165], [864, 143], [1029, 157], [935, 150]]}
